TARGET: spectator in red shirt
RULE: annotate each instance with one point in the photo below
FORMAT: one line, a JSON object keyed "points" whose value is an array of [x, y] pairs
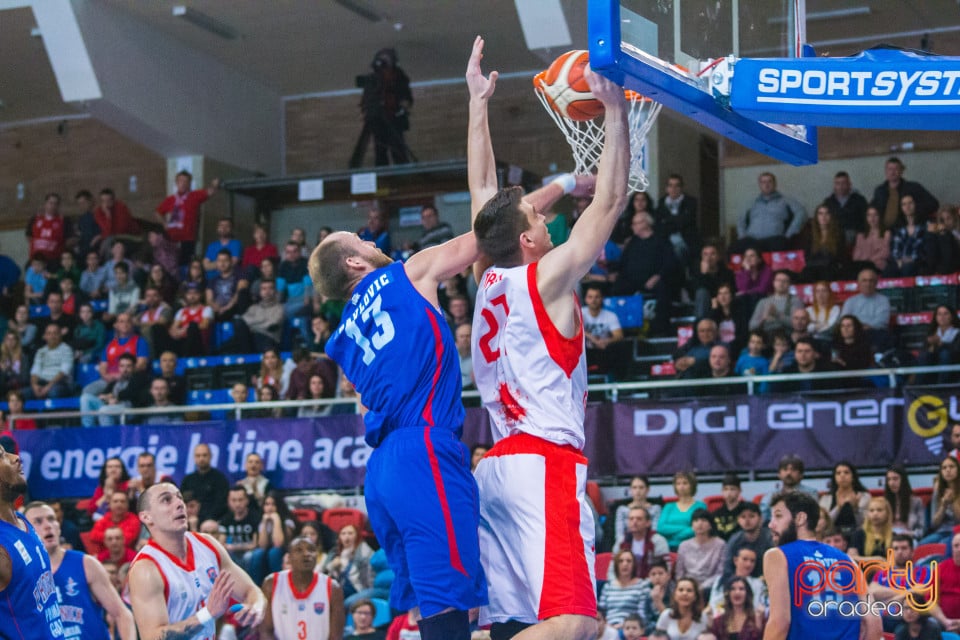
{"points": [[180, 213], [255, 254], [114, 549], [47, 231], [118, 516], [114, 217], [949, 576]]}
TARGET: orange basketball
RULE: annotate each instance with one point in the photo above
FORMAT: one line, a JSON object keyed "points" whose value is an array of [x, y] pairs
{"points": [[565, 88]]}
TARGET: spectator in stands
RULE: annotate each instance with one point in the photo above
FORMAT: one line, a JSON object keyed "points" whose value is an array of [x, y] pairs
{"points": [[606, 351], [256, 484], [744, 564], [363, 612], [851, 349], [156, 317], [160, 399], [293, 281], [675, 519], [872, 245], [86, 228], [917, 626], [377, 230], [625, 592], [731, 325], [849, 205], [126, 391], [754, 279], [907, 251], [118, 515], [162, 253], [254, 254], [14, 409], [719, 365], [124, 296], [125, 340], [943, 345], [871, 309], [707, 278], [697, 349], [158, 277], [888, 195], [907, 510], [458, 312], [875, 536], [752, 362], [639, 489], [799, 325], [306, 366], [206, 484], [72, 298], [190, 332], [640, 202], [782, 356], [227, 291], [847, 500], [14, 364], [239, 394], [225, 240], [945, 505], [180, 212], [299, 237], [147, 476], [942, 244], [195, 276], [47, 231], [790, 470], [274, 532], [261, 325], [661, 591], [51, 375], [949, 587], [114, 217], [272, 371], [462, 336], [648, 266], [238, 528], [752, 535], [806, 360], [175, 383], [824, 313], [676, 218], [118, 254], [435, 232], [21, 325], [114, 478], [57, 317], [826, 253], [66, 268], [739, 619], [267, 271], [701, 557], [771, 220], [115, 549], [35, 281], [890, 585], [93, 279], [725, 516], [775, 311], [350, 563], [686, 612], [640, 538]]}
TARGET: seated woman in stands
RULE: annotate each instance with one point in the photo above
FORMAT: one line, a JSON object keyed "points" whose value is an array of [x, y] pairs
{"points": [[316, 393], [350, 563], [738, 620], [851, 349], [943, 345], [908, 512], [272, 372], [113, 477], [686, 618], [14, 410], [825, 251], [732, 331], [321, 536], [195, 275], [14, 365], [872, 245], [848, 498], [274, 532], [675, 518], [945, 506], [824, 312], [754, 281], [907, 253], [639, 490], [875, 537], [625, 593], [942, 244], [21, 325]]}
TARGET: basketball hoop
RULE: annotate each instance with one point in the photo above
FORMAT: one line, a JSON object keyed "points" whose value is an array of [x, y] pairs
{"points": [[586, 137]]}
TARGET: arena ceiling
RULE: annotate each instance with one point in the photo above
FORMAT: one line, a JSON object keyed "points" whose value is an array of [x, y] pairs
{"points": [[299, 47]]}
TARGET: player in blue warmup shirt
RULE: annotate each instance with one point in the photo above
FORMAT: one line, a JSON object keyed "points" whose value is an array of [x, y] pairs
{"points": [[801, 574], [28, 596], [84, 590]]}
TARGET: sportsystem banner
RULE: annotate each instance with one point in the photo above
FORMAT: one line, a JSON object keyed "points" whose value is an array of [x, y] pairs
{"points": [[647, 436]]}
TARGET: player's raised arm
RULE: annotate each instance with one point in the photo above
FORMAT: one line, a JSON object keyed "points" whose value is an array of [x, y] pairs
{"points": [[561, 269], [109, 599]]}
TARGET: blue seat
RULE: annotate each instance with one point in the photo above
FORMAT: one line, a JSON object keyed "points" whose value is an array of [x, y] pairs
{"points": [[86, 373], [98, 306], [39, 311], [209, 396], [53, 404], [224, 332], [629, 310]]}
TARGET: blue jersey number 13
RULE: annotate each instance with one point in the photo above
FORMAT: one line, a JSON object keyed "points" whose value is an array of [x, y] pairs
{"points": [[384, 334]]}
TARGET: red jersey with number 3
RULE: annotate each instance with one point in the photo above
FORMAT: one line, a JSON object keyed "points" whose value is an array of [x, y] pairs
{"points": [[301, 615], [532, 379]]}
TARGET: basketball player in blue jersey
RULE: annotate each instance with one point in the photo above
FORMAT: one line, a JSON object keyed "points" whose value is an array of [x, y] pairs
{"points": [[84, 591], [395, 346], [800, 581], [28, 596]]}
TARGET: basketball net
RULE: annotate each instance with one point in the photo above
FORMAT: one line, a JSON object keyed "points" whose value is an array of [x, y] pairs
{"points": [[586, 137]]}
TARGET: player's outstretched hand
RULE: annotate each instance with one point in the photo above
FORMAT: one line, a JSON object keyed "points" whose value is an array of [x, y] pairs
{"points": [[603, 90], [479, 86], [220, 594]]}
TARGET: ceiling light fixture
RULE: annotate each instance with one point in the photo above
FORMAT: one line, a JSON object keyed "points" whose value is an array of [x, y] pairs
{"points": [[205, 22]]}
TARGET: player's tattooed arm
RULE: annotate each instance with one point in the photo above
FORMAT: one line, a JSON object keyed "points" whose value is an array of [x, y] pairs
{"points": [[187, 632]]}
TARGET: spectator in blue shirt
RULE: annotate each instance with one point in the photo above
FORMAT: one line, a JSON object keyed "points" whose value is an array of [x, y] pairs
{"points": [[377, 230], [293, 281], [225, 240]]}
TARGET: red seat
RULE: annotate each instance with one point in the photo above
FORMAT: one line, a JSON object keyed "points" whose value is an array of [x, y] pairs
{"points": [[713, 502], [931, 549], [305, 515], [338, 518], [601, 565], [889, 636], [596, 496], [925, 494], [876, 493]]}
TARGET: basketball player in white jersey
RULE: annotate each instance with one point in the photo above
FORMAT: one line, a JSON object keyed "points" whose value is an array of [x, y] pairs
{"points": [[83, 585], [536, 529], [302, 603], [191, 573]]}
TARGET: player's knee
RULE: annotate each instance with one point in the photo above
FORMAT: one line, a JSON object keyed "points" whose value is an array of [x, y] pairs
{"points": [[576, 627]]}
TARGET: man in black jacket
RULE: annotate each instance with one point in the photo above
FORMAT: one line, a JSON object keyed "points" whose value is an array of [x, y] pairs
{"points": [[648, 266], [886, 197], [676, 219]]}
